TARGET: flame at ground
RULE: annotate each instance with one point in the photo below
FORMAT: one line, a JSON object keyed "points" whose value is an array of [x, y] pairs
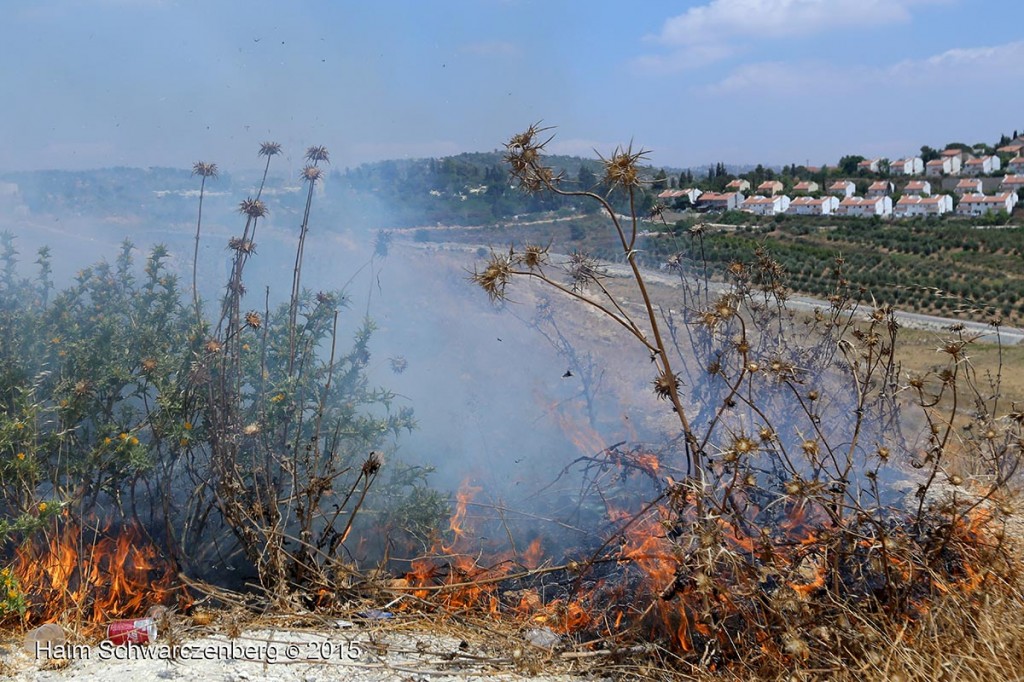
{"points": [[92, 577]]}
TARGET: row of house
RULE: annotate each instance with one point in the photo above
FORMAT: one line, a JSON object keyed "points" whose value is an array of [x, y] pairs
{"points": [[953, 162], [908, 205]]}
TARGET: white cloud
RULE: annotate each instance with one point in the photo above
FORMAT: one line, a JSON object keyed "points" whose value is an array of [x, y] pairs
{"points": [[720, 28], [994, 63]]}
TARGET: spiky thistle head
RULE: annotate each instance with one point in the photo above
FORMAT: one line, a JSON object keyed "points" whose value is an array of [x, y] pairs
{"points": [[495, 276], [665, 384], [622, 169], [270, 149], [583, 269], [246, 246], [523, 152], [254, 208], [312, 173], [533, 256], [204, 169], [318, 153]]}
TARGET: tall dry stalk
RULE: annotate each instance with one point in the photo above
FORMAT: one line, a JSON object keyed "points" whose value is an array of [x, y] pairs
{"points": [[204, 170], [310, 174]]}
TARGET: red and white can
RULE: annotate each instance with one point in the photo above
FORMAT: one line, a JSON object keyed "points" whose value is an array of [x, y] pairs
{"points": [[141, 631]]}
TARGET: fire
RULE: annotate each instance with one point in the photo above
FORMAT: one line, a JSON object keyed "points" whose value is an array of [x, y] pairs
{"points": [[91, 576]]}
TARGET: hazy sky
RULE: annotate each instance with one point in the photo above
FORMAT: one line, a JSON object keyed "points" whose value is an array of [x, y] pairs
{"points": [[90, 83]]}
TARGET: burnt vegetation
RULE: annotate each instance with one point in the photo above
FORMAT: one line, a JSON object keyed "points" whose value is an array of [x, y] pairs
{"points": [[807, 514], [808, 509]]}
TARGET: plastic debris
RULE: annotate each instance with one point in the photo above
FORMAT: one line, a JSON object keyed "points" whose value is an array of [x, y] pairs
{"points": [[41, 641]]}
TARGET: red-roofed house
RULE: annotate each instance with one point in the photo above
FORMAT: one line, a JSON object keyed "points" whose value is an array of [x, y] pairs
{"points": [[807, 186], [869, 165], [916, 188], [982, 166], [946, 165], [738, 185], [842, 188], [691, 193], [882, 188], [1012, 183], [980, 204], [772, 205], [1014, 149], [1016, 165], [912, 165], [865, 206], [966, 186], [726, 201], [770, 187], [812, 206], [910, 207]]}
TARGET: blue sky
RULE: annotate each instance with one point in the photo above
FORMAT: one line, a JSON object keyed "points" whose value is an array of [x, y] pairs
{"points": [[91, 83]]}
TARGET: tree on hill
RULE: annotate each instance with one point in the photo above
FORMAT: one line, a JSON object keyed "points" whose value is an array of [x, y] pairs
{"points": [[586, 179], [848, 164], [660, 181], [929, 153]]}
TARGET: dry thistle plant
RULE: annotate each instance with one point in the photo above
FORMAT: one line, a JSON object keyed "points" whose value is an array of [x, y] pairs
{"points": [[817, 480]]}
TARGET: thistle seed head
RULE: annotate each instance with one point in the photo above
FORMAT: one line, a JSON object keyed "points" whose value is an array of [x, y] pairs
{"points": [[270, 149], [204, 169], [494, 278], [665, 384]]}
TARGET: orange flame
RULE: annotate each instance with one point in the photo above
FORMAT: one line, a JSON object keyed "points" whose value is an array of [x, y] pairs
{"points": [[94, 579]]}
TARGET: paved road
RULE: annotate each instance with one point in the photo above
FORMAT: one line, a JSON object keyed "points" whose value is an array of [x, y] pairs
{"points": [[1008, 336]]}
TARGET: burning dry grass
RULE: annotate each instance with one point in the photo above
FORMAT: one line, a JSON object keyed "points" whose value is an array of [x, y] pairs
{"points": [[85, 578]]}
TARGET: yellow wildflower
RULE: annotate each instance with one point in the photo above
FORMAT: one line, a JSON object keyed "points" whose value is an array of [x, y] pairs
{"points": [[123, 436], [106, 441], [277, 398], [12, 594], [188, 426], [133, 440], [42, 507], [183, 442], [21, 456], [19, 425], [55, 340]]}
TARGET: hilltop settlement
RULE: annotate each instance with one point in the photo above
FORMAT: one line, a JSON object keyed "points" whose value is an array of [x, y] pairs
{"points": [[959, 180]]}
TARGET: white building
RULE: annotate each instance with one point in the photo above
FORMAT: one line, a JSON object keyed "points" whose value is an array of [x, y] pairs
{"points": [[770, 188], [912, 165], [714, 201], [865, 206], [1016, 165], [980, 204], [1012, 183], [1014, 149], [691, 193], [738, 185], [945, 165], [842, 188], [772, 205], [916, 188], [882, 188], [812, 206], [966, 186], [869, 165], [983, 165], [911, 206], [807, 186]]}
